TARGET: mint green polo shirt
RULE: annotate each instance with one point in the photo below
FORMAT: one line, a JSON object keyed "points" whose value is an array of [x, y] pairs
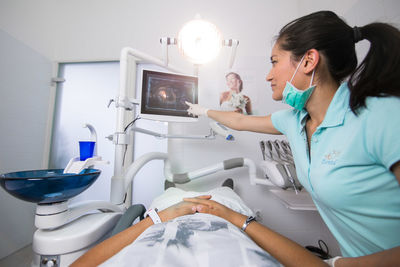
{"points": [[347, 170]]}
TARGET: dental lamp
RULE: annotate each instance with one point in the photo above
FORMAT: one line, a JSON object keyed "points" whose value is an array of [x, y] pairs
{"points": [[67, 231], [200, 42]]}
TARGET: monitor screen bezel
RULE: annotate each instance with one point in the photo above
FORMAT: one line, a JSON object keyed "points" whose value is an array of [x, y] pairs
{"points": [[167, 116]]}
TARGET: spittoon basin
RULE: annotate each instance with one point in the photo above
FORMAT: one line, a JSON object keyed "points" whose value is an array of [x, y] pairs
{"points": [[47, 186]]}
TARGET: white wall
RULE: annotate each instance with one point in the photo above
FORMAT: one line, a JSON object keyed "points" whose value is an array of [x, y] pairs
{"points": [[98, 29], [24, 93]]}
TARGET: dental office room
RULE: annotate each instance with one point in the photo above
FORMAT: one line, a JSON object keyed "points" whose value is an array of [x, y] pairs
{"points": [[139, 133]]}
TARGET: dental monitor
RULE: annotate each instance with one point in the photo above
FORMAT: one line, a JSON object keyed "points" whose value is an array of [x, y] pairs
{"points": [[164, 94]]}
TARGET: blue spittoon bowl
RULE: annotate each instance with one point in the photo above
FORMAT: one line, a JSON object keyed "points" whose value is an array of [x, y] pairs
{"points": [[47, 186]]}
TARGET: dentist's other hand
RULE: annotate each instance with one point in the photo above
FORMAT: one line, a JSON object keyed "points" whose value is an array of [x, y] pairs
{"points": [[196, 109]]}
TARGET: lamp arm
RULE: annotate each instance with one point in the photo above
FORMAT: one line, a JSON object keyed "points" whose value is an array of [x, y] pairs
{"points": [[233, 43]]}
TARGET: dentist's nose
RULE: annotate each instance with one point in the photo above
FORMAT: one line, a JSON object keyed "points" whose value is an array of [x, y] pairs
{"points": [[269, 76]]}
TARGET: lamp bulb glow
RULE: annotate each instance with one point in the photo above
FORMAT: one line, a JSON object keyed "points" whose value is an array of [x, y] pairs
{"points": [[200, 41]]}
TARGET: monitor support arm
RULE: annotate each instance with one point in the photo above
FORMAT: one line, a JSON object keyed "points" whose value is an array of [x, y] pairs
{"points": [[128, 62], [210, 136], [126, 103]]}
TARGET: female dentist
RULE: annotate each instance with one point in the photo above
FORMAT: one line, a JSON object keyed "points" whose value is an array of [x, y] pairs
{"points": [[344, 135]]}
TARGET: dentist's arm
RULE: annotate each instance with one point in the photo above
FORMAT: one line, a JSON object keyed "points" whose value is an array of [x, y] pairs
{"points": [[236, 121]]}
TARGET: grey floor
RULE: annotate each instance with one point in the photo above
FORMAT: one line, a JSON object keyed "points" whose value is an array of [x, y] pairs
{"points": [[20, 258]]}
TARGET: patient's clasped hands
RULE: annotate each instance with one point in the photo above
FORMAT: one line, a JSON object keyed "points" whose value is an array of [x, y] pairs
{"points": [[204, 204], [182, 208], [201, 204]]}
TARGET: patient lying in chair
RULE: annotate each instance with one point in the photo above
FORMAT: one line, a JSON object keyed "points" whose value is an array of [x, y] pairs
{"points": [[185, 238]]}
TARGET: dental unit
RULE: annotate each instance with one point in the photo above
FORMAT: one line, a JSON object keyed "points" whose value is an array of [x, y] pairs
{"points": [[66, 231]]}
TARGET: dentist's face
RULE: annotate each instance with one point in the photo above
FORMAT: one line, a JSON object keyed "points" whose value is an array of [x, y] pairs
{"points": [[281, 71]]}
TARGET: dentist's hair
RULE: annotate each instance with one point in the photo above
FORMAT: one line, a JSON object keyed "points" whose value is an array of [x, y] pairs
{"points": [[379, 72]]}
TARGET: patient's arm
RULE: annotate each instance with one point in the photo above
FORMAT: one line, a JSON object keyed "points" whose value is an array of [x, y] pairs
{"points": [[113, 245], [396, 170], [290, 253], [283, 249], [286, 251]]}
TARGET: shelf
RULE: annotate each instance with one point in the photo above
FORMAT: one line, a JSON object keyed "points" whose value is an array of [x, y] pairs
{"points": [[293, 201]]}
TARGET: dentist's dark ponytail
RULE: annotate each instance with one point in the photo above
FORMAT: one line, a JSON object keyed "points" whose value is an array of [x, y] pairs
{"points": [[379, 72]]}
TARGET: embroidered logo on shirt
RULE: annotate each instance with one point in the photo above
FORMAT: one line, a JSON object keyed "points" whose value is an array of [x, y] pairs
{"points": [[331, 158]]}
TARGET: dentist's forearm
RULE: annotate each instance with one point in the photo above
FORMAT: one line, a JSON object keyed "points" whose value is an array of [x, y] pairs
{"points": [[230, 119], [240, 122]]}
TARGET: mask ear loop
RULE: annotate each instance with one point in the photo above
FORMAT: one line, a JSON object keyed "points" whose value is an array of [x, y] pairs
{"points": [[298, 66], [312, 77]]}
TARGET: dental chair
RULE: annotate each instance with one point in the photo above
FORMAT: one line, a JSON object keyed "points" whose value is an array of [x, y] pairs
{"points": [[65, 232]]}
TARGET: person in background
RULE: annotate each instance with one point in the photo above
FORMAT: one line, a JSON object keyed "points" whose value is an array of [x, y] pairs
{"points": [[233, 99], [343, 130]]}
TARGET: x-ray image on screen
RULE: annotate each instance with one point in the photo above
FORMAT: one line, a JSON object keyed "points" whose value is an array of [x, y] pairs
{"points": [[166, 93]]}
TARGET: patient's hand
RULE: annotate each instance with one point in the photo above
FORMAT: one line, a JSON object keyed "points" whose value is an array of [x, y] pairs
{"points": [[205, 205], [179, 209]]}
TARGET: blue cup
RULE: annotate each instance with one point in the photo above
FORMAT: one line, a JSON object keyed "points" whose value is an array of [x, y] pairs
{"points": [[86, 149]]}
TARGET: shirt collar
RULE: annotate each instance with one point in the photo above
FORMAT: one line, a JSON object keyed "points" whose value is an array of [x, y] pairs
{"points": [[303, 115], [336, 111], [338, 107]]}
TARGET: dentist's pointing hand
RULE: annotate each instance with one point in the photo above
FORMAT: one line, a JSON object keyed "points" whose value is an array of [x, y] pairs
{"points": [[196, 109]]}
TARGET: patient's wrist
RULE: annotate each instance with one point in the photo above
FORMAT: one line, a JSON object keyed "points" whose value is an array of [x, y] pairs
{"points": [[165, 215], [154, 216], [237, 219], [249, 220]]}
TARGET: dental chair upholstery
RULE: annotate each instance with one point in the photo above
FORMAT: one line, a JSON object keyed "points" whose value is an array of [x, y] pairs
{"points": [[129, 217]]}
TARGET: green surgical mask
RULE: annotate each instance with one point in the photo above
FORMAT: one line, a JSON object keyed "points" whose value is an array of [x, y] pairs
{"points": [[295, 97]]}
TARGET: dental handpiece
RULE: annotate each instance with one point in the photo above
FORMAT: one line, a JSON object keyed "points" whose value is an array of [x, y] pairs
{"points": [[294, 184], [262, 145]]}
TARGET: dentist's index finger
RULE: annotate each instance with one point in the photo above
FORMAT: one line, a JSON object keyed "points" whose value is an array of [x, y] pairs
{"points": [[188, 103]]}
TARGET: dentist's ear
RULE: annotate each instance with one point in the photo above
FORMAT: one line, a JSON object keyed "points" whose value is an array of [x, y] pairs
{"points": [[311, 60]]}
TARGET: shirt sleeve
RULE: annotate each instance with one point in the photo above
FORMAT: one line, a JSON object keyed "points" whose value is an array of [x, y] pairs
{"points": [[382, 130], [281, 119]]}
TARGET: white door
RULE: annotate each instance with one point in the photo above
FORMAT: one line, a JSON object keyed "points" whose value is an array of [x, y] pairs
{"points": [[83, 98]]}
